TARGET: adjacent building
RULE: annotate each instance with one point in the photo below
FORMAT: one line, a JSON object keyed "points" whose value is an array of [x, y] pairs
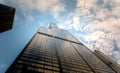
{"points": [[6, 17], [108, 61], [54, 50]]}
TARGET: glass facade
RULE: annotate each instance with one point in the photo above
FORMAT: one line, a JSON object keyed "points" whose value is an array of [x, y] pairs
{"points": [[54, 50], [98, 65], [70, 60]]}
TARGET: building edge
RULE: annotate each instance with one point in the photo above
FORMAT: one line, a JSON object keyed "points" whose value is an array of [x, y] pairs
{"points": [[15, 61], [112, 64]]}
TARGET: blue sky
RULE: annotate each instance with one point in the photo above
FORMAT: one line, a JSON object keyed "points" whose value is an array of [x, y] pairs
{"points": [[96, 23]]}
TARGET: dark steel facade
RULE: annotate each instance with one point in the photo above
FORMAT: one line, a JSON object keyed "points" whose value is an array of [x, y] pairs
{"points": [[53, 50], [6, 17]]}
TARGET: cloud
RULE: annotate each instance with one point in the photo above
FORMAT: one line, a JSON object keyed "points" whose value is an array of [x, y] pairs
{"points": [[45, 6], [97, 23], [100, 15], [100, 8], [94, 36], [2, 66], [85, 3], [117, 56]]}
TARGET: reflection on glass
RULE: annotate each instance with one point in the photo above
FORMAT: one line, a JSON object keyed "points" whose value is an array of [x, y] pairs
{"points": [[92, 60]]}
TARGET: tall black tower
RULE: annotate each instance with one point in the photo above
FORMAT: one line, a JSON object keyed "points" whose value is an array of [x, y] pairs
{"points": [[54, 50], [6, 17]]}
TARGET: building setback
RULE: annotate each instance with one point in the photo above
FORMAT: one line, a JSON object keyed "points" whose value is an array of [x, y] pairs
{"points": [[54, 50], [6, 17]]}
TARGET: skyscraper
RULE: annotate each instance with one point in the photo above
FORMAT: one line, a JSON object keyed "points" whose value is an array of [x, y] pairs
{"points": [[6, 17], [54, 50], [108, 61]]}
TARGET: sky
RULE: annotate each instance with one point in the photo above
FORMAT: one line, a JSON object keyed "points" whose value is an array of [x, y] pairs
{"points": [[96, 23]]}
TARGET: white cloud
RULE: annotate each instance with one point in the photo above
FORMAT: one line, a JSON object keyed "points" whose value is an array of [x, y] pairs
{"points": [[102, 26], [2, 66], [85, 3], [94, 36], [117, 56], [67, 23], [100, 14], [104, 33], [50, 6], [75, 23], [117, 38]]}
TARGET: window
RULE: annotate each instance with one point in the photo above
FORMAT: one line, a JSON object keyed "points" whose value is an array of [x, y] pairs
{"points": [[17, 71], [18, 66], [48, 67], [47, 71]]}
